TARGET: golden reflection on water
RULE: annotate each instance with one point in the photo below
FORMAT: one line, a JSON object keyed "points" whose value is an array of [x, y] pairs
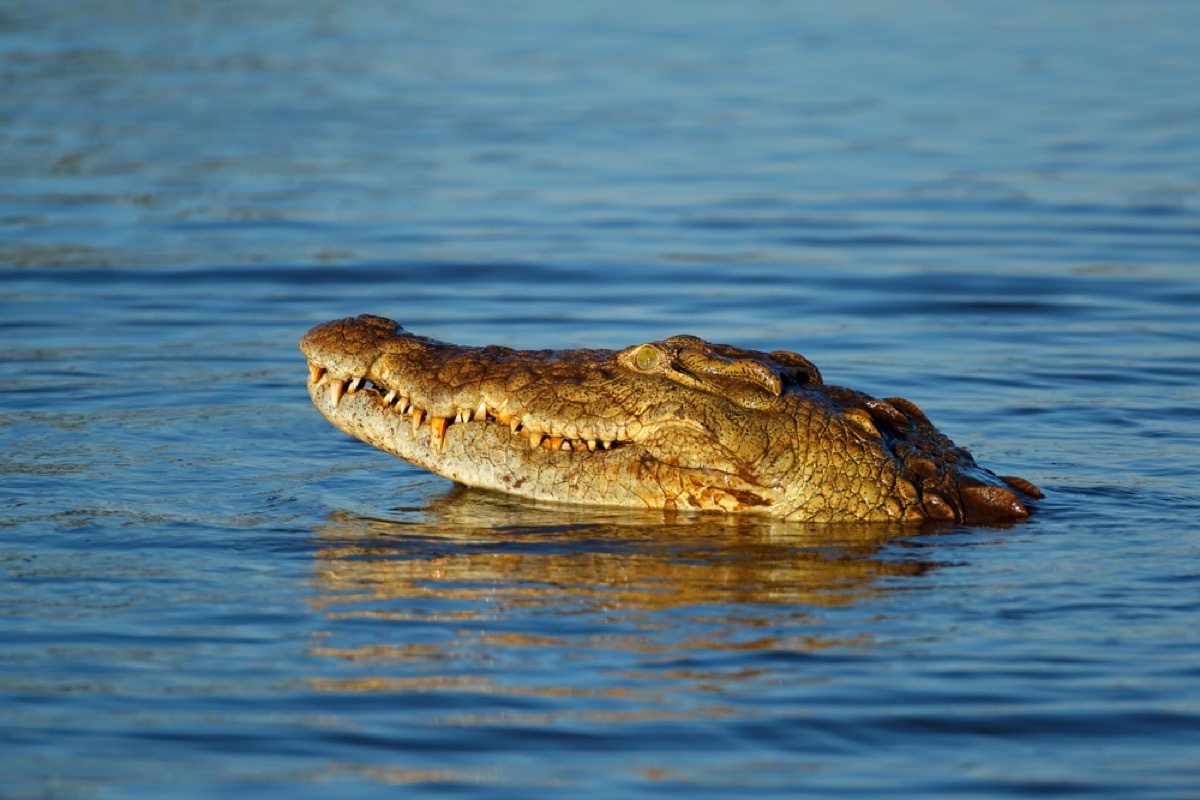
{"points": [[490, 614], [473, 559]]}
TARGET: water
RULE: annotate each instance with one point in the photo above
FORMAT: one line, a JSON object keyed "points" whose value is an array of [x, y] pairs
{"points": [[993, 210]]}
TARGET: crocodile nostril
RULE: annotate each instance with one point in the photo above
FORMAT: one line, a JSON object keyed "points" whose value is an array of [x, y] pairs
{"points": [[382, 323]]}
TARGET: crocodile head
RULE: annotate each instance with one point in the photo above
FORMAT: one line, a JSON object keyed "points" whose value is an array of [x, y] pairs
{"points": [[679, 424]]}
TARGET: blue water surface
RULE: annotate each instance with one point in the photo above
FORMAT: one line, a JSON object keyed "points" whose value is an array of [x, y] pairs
{"points": [[206, 591]]}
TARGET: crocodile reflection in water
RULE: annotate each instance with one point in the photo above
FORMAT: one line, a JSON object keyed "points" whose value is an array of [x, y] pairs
{"points": [[727, 583]]}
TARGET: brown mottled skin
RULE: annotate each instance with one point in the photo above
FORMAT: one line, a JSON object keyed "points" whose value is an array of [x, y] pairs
{"points": [[677, 424]]}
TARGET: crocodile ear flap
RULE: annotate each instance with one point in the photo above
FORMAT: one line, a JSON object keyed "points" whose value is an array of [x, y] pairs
{"points": [[797, 367], [756, 372], [721, 369]]}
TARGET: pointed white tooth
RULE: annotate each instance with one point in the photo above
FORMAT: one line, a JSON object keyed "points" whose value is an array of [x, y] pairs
{"points": [[607, 443], [390, 397], [481, 410], [437, 427], [566, 445], [417, 414], [315, 373], [405, 405], [535, 439], [464, 415], [337, 387], [591, 443]]}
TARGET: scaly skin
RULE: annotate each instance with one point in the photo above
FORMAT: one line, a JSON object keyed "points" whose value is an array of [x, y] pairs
{"points": [[677, 424]]}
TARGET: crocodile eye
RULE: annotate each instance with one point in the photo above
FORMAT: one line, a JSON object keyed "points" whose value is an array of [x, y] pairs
{"points": [[646, 357]]}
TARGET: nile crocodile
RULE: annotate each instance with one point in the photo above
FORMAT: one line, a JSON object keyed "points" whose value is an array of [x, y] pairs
{"points": [[677, 424]]}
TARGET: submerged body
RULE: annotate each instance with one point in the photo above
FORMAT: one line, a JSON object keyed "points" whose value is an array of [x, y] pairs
{"points": [[678, 424]]}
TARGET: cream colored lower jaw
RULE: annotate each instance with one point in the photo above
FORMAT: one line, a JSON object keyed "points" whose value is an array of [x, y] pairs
{"points": [[535, 474]]}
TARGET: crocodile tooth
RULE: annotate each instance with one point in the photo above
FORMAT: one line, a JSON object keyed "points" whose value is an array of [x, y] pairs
{"points": [[606, 444], [591, 443], [390, 397], [481, 410], [504, 418], [417, 414], [515, 424], [405, 405], [556, 442], [315, 373], [535, 439], [355, 384], [458, 416], [437, 428], [566, 445], [337, 387]]}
